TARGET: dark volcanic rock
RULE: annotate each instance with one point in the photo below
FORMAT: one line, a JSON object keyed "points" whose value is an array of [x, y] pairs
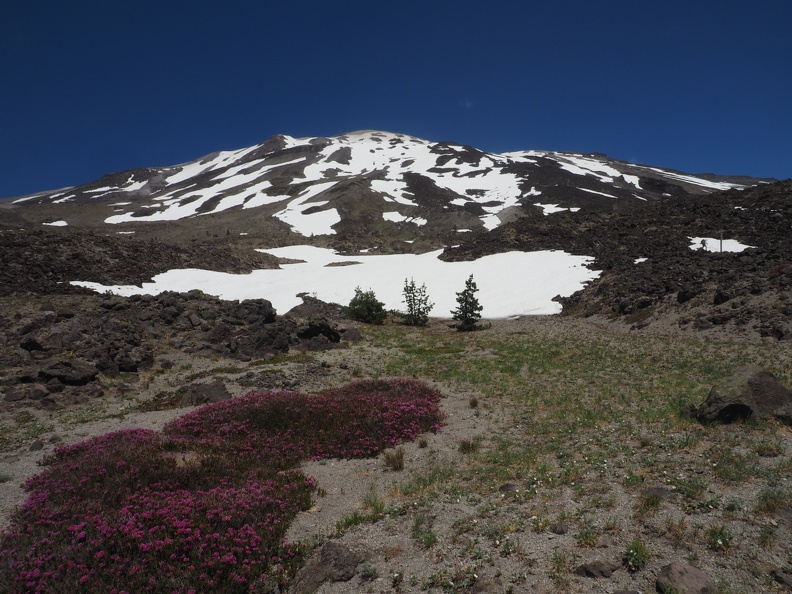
{"points": [[13, 395], [750, 392], [71, 372], [782, 577], [112, 335], [333, 563], [681, 577], [196, 394], [598, 569], [46, 260], [698, 290]]}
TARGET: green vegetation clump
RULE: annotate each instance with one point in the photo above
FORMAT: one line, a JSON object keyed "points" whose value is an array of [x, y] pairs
{"points": [[636, 556], [365, 307]]}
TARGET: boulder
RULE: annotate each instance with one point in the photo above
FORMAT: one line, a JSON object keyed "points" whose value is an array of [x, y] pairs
{"points": [[685, 579], [598, 569], [13, 395], [333, 563], [125, 362], [750, 392], [71, 372], [782, 577], [197, 394], [36, 392], [318, 332]]}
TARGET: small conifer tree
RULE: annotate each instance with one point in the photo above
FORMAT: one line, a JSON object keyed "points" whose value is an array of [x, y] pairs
{"points": [[418, 304], [468, 311], [365, 307]]}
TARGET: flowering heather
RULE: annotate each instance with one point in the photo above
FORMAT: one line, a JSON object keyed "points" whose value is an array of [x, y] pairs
{"points": [[356, 421], [204, 505]]}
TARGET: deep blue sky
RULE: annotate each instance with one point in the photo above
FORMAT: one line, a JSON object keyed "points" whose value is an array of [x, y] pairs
{"points": [[93, 87]]}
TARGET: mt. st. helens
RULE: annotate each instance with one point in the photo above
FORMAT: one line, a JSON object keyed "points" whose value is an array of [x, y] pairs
{"points": [[361, 186], [383, 193]]}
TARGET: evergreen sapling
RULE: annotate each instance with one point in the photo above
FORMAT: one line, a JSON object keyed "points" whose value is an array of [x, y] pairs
{"points": [[468, 311], [418, 304]]}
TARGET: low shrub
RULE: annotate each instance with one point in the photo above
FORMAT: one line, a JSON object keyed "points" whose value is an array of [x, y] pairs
{"points": [[394, 459], [365, 307], [636, 556], [204, 505]]}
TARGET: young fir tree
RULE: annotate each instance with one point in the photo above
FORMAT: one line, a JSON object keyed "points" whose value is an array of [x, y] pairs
{"points": [[365, 306], [469, 310], [418, 304]]}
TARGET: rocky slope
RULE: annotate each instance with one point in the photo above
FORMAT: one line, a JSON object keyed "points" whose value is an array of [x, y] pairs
{"points": [[651, 275], [66, 349]]}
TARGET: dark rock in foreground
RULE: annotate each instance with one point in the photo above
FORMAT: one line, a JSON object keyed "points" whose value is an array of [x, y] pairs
{"points": [[750, 393], [681, 577], [333, 563]]}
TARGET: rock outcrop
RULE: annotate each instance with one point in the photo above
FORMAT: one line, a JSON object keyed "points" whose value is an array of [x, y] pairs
{"points": [[750, 393]]}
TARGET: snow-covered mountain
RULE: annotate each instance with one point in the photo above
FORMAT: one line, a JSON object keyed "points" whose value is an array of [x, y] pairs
{"points": [[540, 230], [371, 181]]}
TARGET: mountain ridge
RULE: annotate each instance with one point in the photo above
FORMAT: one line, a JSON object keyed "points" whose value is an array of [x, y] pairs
{"points": [[296, 187]]}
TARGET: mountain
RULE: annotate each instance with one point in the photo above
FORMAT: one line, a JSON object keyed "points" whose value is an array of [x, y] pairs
{"points": [[362, 187], [110, 319], [632, 226]]}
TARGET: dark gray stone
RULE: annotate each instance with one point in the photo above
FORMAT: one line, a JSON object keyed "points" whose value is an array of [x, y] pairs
{"points": [[685, 578], [37, 392], [782, 577], [13, 395], [598, 569], [508, 488], [72, 372], [659, 492], [197, 394], [750, 392], [333, 563]]}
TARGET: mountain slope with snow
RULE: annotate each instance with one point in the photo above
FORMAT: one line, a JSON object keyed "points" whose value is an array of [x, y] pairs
{"points": [[371, 182]]}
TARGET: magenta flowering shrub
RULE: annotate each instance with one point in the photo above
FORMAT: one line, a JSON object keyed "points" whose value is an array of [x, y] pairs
{"points": [[203, 505], [358, 420]]}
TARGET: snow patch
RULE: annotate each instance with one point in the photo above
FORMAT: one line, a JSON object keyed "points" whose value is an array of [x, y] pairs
{"points": [[598, 193], [535, 278], [548, 209], [712, 244]]}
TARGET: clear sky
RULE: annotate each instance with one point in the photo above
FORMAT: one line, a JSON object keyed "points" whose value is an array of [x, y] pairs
{"points": [[92, 87]]}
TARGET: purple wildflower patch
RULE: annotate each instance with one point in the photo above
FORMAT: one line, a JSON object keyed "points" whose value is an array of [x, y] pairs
{"points": [[205, 504]]}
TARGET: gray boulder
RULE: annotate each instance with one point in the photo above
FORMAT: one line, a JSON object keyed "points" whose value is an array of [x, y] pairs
{"points": [[198, 394], [333, 563], [598, 569], [685, 579], [71, 372], [750, 393]]}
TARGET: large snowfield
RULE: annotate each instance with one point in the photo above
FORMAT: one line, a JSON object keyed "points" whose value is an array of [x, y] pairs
{"points": [[510, 284]]}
